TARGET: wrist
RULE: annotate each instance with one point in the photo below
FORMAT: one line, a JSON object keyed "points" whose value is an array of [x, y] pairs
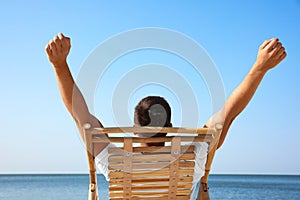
{"points": [[59, 64], [259, 69]]}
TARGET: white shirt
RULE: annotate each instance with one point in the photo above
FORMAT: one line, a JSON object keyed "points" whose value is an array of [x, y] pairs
{"points": [[200, 160]]}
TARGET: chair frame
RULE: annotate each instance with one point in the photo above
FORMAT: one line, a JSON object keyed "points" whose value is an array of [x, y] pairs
{"points": [[93, 135]]}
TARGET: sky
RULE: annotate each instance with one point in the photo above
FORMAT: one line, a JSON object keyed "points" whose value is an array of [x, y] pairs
{"points": [[39, 136]]}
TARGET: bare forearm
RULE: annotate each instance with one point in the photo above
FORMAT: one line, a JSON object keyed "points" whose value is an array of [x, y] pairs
{"points": [[242, 95], [69, 91], [239, 99]]}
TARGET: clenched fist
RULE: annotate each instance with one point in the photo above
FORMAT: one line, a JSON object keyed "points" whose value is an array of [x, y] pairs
{"points": [[270, 54], [58, 49]]}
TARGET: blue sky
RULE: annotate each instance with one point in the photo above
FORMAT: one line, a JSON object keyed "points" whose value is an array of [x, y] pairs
{"points": [[38, 135]]}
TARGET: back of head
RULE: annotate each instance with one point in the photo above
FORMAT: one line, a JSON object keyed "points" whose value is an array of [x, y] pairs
{"points": [[153, 111]]}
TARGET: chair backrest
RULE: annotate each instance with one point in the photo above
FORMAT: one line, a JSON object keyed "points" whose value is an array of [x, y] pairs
{"points": [[156, 172]]}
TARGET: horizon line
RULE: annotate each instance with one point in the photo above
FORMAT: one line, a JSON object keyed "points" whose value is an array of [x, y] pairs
{"points": [[81, 173]]}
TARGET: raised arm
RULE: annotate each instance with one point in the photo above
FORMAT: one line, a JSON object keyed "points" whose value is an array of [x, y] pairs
{"points": [[270, 54], [57, 51]]}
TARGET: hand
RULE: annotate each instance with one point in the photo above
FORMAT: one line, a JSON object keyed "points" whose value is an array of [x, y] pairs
{"points": [[270, 54], [58, 49]]}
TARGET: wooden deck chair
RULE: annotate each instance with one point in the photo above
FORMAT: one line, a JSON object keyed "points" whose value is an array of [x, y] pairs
{"points": [[151, 172]]}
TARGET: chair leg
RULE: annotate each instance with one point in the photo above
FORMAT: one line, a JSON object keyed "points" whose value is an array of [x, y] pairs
{"points": [[92, 192], [203, 193]]}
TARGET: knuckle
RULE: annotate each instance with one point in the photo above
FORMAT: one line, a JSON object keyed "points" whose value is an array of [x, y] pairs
{"points": [[278, 44]]}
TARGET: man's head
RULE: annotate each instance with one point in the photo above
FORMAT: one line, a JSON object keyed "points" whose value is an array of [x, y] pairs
{"points": [[153, 111]]}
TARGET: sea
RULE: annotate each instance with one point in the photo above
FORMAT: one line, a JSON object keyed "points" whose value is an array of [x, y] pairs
{"points": [[75, 187]]}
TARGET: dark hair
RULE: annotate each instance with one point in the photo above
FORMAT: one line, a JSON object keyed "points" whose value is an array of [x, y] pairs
{"points": [[153, 111]]}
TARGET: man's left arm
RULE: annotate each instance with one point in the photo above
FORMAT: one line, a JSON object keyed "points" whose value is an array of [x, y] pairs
{"points": [[270, 54]]}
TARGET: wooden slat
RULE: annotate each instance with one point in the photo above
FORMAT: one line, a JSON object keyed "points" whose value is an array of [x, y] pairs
{"points": [[205, 138], [127, 160], [156, 198], [145, 180], [120, 150], [185, 197], [183, 185], [151, 158], [144, 129], [173, 171], [149, 187], [149, 193], [181, 172], [161, 198], [137, 166]]}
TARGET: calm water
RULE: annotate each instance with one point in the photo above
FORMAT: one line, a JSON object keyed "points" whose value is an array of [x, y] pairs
{"points": [[224, 187]]}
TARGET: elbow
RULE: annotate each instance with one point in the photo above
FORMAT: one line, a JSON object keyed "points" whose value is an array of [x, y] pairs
{"points": [[224, 132], [219, 145]]}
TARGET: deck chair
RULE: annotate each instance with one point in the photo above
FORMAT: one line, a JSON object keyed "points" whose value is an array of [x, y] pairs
{"points": [[154, 172]]}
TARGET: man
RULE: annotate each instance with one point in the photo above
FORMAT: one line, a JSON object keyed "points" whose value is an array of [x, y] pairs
{"points": [[155, 111]]}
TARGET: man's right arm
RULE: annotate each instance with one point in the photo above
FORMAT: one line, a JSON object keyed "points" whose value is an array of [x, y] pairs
{"points": [[57, 51]]}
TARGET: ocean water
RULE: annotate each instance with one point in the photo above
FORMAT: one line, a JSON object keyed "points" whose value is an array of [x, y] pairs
{"points": [[74, 187]]}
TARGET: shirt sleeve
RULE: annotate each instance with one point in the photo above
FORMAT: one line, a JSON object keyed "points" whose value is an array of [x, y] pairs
{"points": [[201, 149], [102, 161]]}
